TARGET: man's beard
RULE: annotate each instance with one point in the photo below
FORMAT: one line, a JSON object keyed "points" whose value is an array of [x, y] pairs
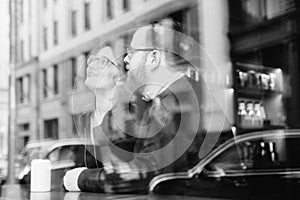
{"points": [[137, 77]]}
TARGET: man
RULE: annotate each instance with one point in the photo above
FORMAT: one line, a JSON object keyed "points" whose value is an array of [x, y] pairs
{"points": [[167, 117]]}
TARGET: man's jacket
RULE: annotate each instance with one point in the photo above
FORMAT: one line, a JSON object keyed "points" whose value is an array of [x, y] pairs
{"points": [[166, 135]]}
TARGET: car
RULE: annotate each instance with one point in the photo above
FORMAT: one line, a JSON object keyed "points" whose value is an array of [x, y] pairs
{"points": [[258, 165], [64, 154], [32, 150]]}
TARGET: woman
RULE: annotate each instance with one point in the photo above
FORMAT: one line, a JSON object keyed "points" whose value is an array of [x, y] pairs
{"points": [[108, 126], [102, 76]]}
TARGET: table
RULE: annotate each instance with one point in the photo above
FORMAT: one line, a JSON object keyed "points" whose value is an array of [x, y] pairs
{"points": [[22, 192]]}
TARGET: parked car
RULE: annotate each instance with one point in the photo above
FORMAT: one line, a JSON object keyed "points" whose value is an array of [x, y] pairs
{"points": [[256, 165], [33, 150], [64, 155]]}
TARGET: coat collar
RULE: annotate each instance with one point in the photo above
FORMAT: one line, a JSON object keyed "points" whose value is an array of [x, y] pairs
{"points": [[154, 90]]}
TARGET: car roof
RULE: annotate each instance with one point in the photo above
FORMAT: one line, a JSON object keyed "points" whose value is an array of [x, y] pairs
{"points": [[69, 141], [39, 143]]}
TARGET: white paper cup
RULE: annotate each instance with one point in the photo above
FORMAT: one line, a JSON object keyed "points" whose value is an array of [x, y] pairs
{"points": [[40, 176]]}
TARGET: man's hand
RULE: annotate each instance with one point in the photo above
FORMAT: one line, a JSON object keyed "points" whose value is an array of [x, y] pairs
{"points": [[71, 179], [125, 171]]}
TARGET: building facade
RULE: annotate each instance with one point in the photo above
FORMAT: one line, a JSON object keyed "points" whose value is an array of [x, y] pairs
{"points": [[4, 73], [3, 110]]}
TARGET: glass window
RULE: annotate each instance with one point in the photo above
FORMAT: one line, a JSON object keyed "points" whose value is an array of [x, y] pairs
{"points": [[22, 10], [45, 82], [126, 5], [55, 32], [228, 160], [21, 50], [109, 14], [20, 91], [253, 10], [45, 4], [73, 23], [54, 155], [67, 153], [55, 79], [278, 7], [45, 37], [29, 46], [86, 56], [87, 23], [29, 10], [27, 88], [74, 72], [51, 128]]}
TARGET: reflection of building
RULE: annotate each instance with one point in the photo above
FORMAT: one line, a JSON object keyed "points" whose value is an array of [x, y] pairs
{"points": [[54, 38], [3, 111], [4, 73], [264, 32]]}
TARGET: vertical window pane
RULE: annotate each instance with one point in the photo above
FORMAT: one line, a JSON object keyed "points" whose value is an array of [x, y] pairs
{"points": [[20, 92], [29, 10], [73, 23], [86, 55], [126, 5], [29, 87], [45, 37], [29, 46], [108, 9], [45, 83], [21, 11], [87, 24], [74, 71], [26, 85], [55, 32], [45, 3], [22, 51], [55, 79]]}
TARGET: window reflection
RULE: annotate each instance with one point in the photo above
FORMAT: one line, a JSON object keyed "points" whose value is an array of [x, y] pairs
{"points": [[254, 11]]}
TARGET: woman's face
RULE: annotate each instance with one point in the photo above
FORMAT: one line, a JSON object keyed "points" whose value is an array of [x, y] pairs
{"points": [[101, 73]]}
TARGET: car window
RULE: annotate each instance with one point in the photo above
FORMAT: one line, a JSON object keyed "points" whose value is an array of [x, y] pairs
{"points": [[260, 154], [54, 155], [67, 153], [228, 160]]}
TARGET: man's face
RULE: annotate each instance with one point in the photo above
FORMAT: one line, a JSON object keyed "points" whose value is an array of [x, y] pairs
{"points": [[136, 63], [101, 73]]}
